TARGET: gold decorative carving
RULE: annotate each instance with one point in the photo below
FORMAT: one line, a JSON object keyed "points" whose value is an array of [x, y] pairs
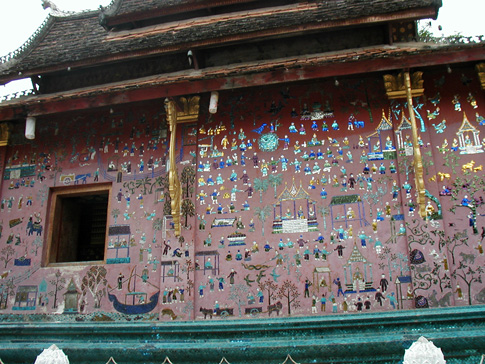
{"points": [[4, 134], [480, 67], [396, 85], [190, 109], [189, 113], [418, 161]]}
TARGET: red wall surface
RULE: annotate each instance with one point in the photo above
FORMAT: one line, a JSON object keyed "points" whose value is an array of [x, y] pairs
{"points": [[303, 196]]}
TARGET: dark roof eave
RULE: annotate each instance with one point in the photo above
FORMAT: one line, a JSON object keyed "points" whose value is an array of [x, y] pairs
{"points": [[241, 76], [414, 14], [116, 19]]}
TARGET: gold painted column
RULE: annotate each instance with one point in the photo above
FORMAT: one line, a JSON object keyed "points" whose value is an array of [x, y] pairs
{"points": [[406, 86], [418, 160], [189, 113], [173, 178], [480, 67], [4, 137]]}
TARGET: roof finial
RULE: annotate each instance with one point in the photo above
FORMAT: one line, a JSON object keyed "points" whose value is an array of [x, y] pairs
{"points": [[49, 4]]}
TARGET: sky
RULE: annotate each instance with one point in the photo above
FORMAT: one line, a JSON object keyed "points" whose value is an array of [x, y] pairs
{"points": [[20, 19]]}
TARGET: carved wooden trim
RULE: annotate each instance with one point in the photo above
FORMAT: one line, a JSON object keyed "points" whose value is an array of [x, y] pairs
{"points": [[480, 67], [396, 86]]}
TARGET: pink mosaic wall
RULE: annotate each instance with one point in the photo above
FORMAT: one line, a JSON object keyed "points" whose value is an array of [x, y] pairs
{"points": [[298, 200]]}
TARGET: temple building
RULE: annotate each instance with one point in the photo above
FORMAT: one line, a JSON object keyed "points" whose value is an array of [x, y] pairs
{"points": [[240, 181]]}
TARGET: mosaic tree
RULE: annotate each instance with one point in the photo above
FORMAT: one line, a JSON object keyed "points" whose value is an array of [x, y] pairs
{"points": [[42, 195], [157, 224], [262, 213], [95, 282], [416, 107], [443, 280], [188, 267], [145, 184], [289, 291], [451, 243], [238, 294], [401, 264], [270, 287], [187, 179], [451, 160], [187, 209], [7, 255], [469, 276], [188, 308], [36, 245], [190, 286], [275, 180], [427, 161], [167, 205], [324, 211], [466, 190], [58, 283], [59, 157], [405, 166], [260, 185], [388, 256], [115, 213], [374, 198], [6, 289]]}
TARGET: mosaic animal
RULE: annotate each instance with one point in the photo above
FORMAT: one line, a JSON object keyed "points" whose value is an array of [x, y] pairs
{"points": [[169, 312], [422, 268], [480, 297], [275, 308], [444, 175], [468, 166], [443, 301], [479, 168], [206, 312], [82, 178], [467, 258], [461, 235], [34, 226]]}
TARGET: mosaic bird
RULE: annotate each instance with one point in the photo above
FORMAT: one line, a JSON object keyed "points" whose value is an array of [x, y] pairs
{"points": [[434, 114], [260, 129], [440, 127], [248, 281], [274, 275], [260, 276], [436, 99]]}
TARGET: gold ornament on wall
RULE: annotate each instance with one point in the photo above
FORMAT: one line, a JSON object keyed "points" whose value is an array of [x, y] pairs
{"points": [[395, 85], [189, 113], [480, 67]]}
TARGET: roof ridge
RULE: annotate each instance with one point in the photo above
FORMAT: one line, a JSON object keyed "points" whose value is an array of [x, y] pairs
{"points": [[112, 8], [41, 31], [30, 42]]}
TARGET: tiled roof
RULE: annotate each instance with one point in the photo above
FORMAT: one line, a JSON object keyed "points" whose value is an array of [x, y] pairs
{"points": [[77, 40], [355, 61], [121, 7]]}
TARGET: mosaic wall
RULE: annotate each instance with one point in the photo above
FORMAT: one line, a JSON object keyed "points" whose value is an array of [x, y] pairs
{"points": [[297, 200]]}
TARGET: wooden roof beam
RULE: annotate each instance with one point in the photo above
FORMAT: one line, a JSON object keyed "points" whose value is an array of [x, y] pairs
{"points": [[158, 87]]}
